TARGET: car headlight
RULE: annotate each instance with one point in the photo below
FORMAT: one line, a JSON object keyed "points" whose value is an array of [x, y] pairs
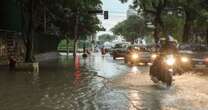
{"points": [[135, 56], [206, 60], [154, 56], [170, 60], [184, 59]]}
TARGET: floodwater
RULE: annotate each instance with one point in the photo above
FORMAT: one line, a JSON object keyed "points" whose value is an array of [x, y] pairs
{"points": [[98, 83]]}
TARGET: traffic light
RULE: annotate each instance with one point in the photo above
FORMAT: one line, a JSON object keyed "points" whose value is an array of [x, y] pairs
{"points": [[105, 14]]}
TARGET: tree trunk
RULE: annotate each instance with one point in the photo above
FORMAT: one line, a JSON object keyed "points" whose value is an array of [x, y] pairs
{"points": [[186, 32], [75, 49], [29, 49], [207, 35], [76, 35], [29, 35], [187, 29], [156, 34], [67, 45], [158, 24], [45, 20], [157, 29], [132, 41]]}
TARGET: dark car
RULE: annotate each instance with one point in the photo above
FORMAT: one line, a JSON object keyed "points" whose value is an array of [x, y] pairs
{"points": [[119, 50], [141, 55], [196, 54]]}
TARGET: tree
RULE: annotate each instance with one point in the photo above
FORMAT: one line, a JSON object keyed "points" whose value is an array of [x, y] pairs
{"points": [[191, 9], [131, 29], [35, 18], [28, 20], [152, 10], [77, 22], [69, 18], [173, 24], [157, 11], [106, 37]]}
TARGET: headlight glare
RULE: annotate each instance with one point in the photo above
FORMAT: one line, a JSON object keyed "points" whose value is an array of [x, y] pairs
{"points": [[170, 60], [154, 56], [184, 59], [135, 56]]}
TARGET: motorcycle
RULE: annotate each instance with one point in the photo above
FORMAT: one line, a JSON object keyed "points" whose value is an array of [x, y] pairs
{"points": [[163, 69]]}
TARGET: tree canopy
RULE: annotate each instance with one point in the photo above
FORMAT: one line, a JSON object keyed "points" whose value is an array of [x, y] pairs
{"points": [[185, 18], [60, 17], [131, 29], [106, 37]]}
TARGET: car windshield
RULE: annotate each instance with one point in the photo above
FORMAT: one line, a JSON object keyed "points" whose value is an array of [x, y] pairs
{"points": [[120, 45], [140, 48]]}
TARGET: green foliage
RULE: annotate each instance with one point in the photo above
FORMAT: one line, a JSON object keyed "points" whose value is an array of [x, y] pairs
{"points": [[88, 24], [174, 25], [106, 37], [188, 19], [63, 45], [131, 29]]}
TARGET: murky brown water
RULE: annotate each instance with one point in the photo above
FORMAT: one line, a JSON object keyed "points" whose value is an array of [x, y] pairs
{"points": [[97, 83]]}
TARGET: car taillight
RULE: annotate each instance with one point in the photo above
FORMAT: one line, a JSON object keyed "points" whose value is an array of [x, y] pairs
{"points": [[206, 60]]}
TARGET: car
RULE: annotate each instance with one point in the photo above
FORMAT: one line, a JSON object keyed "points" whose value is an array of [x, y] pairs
{"points": [[142, 55], [119, 50], [195, 54]]}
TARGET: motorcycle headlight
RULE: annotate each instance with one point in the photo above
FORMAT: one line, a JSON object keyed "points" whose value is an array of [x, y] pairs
{"points": [[170, 60], [135, 56], [154, 56], [185, 59]]}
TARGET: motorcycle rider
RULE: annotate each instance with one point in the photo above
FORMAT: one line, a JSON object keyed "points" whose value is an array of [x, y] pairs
{"points": [[167, 46]]}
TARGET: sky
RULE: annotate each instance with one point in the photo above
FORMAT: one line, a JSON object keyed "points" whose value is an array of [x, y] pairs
{"points": [[117, 13]]}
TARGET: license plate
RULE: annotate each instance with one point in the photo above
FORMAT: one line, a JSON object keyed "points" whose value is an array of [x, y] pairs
{"points": [[200, 63]]}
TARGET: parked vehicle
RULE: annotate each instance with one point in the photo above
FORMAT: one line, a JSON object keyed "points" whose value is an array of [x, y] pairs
{"points": [[120, 50], [195, 54], [138, 54]]}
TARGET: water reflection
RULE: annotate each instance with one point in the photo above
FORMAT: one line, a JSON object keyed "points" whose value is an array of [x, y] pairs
{"points": [[64, 84], [134, 100], [77, 73], [134, 69], [35, 78]]}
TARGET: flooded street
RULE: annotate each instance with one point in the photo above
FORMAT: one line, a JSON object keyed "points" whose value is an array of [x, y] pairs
{"points": [[98, 83]]}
